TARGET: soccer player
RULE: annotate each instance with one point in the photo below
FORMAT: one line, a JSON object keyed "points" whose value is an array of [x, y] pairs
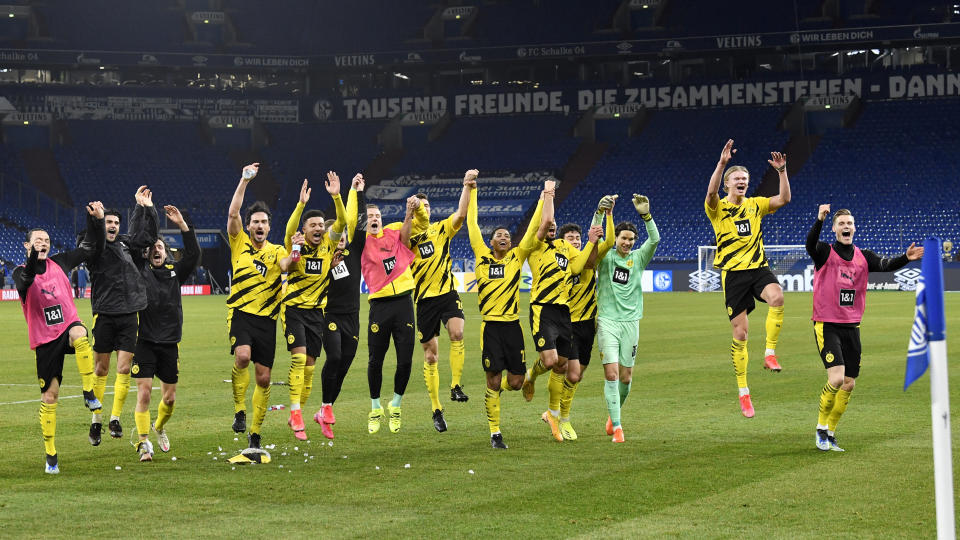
{"points": [[552, 261], [253, 305], [341, 333], [160, 331], [438, 302], [117, 294], [307, 282], [736, 221], [498, 268], [620, 296], [53, 326], [839, 299], [385, 263]]}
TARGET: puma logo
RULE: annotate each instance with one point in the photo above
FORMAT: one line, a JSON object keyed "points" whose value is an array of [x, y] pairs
{"points": [[52, 293]]}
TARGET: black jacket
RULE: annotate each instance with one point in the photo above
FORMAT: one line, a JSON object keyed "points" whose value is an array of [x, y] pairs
{"points": [[343, 295], [23, 275], [162, 320], [117, 287]]}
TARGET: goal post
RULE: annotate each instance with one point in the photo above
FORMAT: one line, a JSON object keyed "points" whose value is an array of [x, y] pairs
{"points": [[781, 259]]}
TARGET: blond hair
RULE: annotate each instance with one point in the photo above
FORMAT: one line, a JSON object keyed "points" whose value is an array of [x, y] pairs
{"points": [[841, 212], [732, 170]]}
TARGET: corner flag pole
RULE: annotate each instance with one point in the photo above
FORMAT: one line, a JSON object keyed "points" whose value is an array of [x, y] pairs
{"points": [[932, 269]]}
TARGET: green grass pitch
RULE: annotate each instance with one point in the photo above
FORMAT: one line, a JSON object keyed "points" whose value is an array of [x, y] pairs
{"points": [[692, 466]]}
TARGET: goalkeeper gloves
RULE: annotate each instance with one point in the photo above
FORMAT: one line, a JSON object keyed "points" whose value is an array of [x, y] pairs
{"points": [[642, 204]]}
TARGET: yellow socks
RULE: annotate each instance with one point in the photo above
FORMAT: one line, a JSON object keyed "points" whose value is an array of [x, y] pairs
{"points": [[48, 425], [738, 353], [504, 385], [491, 400], [839, 407], [457, 354], [432, 377], [295, 378], [241, 380], [99, 389], [307, 383], [566, 397], [84, 355], [121, 387], [827, 398], [773, 324], [555, 386], [142, 418], [261, 396], [164, 412]]}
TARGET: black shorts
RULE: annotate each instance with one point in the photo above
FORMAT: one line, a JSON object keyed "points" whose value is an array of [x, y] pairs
{"points": [[432, 311], [391, 316], [257, 331], [584, 333], [50, 358], [115, 332], [741, 287], [156, 359], [839, 345], [346, 324], [303, 328], [551, 328], [502, 347]]}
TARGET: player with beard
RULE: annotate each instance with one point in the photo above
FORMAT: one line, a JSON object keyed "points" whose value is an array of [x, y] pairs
{"points": [[253, 305], [839, 299], [385, 264], [341, 308], [553, 262], [117, 294], [307, 282], [160, 331], [53, 326], [746, 276]]}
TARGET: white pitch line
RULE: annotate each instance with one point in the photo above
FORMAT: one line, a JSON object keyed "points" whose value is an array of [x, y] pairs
{"points": [[61, 397]]}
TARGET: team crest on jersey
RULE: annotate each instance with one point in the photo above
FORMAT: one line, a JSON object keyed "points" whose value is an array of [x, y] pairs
{"points": [[729, 311], [630, 263], [135, 369], [168, 266], [541, 342], [42, 383], [829, 357], [233, 340], [486, 362], [419, 335], [291, 338], [332, 326], [374, 328]]}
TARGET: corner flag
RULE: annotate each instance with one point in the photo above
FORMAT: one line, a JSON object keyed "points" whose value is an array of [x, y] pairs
{"points": [[928, 348]]}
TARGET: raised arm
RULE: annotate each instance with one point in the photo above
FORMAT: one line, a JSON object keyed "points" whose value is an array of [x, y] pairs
{"points": [[145, 228], [713, 188], [92, 244], [649, 246], [333, 189], [610, 237], [234, 223], [191, 248], [456, 218], [473, 225], [293, 222], [779, 162], [818, 251], [530, 241], [413, 204], [353, 204], [875, 263], [587, 257], [549, 191]]}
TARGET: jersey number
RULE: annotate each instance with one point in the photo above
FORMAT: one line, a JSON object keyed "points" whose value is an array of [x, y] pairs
{"points": [[313, 266], [743, 227], [426, 249], [389, 264], [847, 296], [561, 262], [496, 271], [261, 268], [621, 275], [53, 315]]}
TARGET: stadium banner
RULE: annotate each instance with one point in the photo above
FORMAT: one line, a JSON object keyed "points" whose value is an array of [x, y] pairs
{"points": [[237, 111], [511, 208], [535, 177], [628, 101], [185, 290], [207, 238], [450, 189], [799, 278], [847, 37]]}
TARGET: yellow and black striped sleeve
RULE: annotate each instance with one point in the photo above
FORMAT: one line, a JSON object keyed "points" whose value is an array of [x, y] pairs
{"points": [[739, 233]]}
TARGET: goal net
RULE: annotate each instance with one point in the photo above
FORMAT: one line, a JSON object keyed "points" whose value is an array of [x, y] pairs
{"points": [[781, 258]]}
